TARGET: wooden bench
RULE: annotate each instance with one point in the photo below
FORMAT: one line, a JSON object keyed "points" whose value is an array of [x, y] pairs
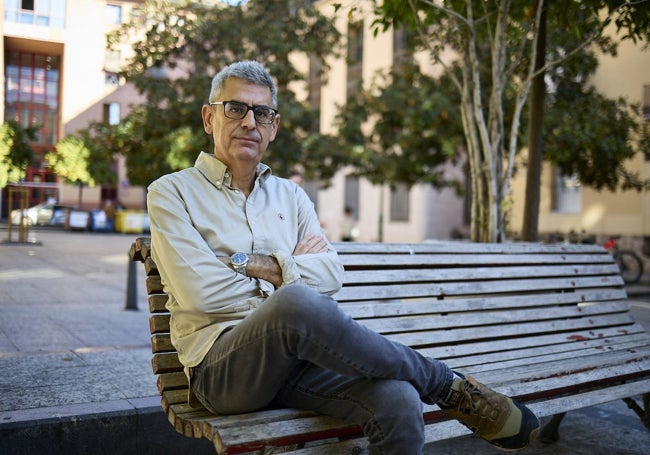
{"points": [[546, 323]]}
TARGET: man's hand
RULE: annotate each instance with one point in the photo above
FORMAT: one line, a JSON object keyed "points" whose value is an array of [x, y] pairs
{"points": [[311, 244], [267, 267]]}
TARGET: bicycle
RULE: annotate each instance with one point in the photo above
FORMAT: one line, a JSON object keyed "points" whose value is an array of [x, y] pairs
{"points": [[628, 261]]}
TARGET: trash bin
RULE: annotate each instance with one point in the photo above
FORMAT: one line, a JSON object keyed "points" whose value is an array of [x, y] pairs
{"points": [[77, 219], [99, 221], [129, 221]]}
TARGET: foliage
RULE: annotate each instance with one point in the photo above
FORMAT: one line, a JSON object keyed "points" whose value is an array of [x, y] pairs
{"points": [[104, 143], [179, 46], [70, 161], [589, 135], [415, 133], [15, 152]]}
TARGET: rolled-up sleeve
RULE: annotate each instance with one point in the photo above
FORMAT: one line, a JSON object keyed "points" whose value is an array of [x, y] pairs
{"points": [[322, 271]]}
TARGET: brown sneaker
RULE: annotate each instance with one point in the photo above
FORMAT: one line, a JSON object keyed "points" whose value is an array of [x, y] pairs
{"points": [[500, 420]]}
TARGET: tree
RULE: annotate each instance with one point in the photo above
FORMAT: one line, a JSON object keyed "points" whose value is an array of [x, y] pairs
{"points": [[529, 229], [415, 129], [497, 38], [181, 45], [15, 151], [71, 162]]}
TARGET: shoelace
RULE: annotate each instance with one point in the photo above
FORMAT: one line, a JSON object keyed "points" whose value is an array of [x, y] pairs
{"points": [[480, 403]]}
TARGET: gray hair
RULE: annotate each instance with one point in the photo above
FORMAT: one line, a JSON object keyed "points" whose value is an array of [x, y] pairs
{"points": [[250, 71]]}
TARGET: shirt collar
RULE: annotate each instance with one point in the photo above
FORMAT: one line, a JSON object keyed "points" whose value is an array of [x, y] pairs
{"points": [[217, 172]]}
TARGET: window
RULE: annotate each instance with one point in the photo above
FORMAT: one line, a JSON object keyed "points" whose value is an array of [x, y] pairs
{"points": [[32, 93], [112, 113], [351, 196], [113, 14], [355, 57], [401, 50], [112, 59], [568, 193], [48, 13], [646, 102], [111, 78], [399, 203]]}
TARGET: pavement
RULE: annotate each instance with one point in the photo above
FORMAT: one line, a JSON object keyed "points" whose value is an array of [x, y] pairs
{"points": [[75, 371]]}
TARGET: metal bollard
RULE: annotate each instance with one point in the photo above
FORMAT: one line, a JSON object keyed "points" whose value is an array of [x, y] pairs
{"points": [[131, 286]]}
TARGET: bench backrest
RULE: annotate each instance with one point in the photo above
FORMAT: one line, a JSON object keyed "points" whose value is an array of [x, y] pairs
{"points": [[468, 304]]}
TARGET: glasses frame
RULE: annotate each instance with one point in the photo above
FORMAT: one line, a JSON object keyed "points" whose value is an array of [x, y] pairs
{"points": [[248, 108]]}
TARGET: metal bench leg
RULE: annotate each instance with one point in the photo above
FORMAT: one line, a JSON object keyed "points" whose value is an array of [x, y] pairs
{"points": [[551, 431], [642, 412]]}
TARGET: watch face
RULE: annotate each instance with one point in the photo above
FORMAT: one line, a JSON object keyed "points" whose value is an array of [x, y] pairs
{"points": [[239, 258]]}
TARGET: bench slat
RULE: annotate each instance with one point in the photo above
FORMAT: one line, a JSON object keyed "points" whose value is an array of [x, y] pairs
{"points": [[441, 337], [162, 342], [350, 249], [159, 323], [455, 259], [248, 438], [385, 290], [488, 318], [157, 303], [372, 309], [547, 342], [172, 381], [166, 363], [515, 354], [539, 369], [464, 274], [153, 284]]}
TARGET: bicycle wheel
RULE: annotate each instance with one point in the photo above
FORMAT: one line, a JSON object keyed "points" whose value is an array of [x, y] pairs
{"points": [[630, 266]]}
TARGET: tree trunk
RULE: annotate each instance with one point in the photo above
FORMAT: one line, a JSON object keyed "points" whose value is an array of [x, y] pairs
{"points": [[530, 226], [81, 187]]}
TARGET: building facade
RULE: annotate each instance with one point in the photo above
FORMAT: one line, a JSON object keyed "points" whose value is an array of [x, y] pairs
{"points": [[58, 74]]}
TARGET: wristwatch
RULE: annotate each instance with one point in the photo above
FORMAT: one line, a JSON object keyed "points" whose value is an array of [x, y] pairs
{"points": [[238, 261]]}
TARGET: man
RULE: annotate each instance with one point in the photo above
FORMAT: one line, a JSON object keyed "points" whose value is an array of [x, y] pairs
{"points": [[249, 273]]}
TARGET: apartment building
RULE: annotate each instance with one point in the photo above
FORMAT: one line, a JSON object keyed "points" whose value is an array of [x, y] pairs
{"points": [[58, 74]]}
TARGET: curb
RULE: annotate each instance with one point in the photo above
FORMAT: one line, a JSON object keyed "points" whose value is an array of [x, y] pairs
{"points": [[133, 426]]}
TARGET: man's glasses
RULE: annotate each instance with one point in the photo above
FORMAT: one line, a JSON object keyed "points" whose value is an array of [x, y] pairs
{"points": [[237, 111]]}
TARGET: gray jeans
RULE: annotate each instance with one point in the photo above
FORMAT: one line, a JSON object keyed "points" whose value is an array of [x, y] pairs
{"points": [[300, 350]]}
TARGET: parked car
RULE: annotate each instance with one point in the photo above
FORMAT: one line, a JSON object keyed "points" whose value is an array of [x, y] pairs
{"points": [[43, 214]]}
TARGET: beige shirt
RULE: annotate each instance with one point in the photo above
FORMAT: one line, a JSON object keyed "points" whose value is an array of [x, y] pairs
{"points": [[196, 216]]}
